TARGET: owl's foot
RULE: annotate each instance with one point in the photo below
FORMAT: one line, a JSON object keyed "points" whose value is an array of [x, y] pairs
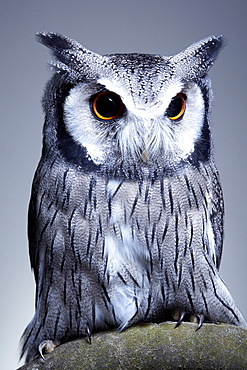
{"points": [[179, 316], [47, 346]]}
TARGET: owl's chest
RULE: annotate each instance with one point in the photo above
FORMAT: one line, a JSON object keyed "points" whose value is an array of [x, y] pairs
{"points": [[134, 218], [130, 225], [129, 235], [143, 225], [147, 228]]}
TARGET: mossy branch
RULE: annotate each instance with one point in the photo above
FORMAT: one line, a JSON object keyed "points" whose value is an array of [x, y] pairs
{"points": [[153, 346]]}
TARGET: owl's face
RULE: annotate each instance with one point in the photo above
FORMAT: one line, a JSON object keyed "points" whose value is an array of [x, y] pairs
{"points": [[137, 110]]}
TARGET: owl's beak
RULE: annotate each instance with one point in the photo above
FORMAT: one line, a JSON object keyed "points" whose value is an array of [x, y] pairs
{"points": [[144, 154], [144, 150], [147, 146]]}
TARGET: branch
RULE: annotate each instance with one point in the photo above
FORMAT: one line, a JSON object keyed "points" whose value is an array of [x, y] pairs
{"points": [[153, 346]]}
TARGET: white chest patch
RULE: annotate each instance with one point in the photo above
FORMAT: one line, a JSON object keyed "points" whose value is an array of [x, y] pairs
{"points": [[127, 266]]}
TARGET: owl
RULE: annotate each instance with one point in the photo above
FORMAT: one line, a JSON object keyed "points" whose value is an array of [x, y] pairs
{"points": [[125, 220]]}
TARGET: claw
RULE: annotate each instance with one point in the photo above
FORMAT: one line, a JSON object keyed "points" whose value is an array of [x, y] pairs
{"points": [[201, 320], [46, 346], [88, 333], [180, 320]]}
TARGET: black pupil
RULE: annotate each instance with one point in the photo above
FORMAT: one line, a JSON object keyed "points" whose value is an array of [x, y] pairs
{"points": [[108, 105], [175, 106]]}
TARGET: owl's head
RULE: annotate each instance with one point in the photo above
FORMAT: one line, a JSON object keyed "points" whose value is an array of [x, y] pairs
{"points": [[129, 114]]}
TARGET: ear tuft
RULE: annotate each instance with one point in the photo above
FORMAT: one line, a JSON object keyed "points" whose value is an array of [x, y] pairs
{"points": [[54, 40], [71, 55], [197, 59]]}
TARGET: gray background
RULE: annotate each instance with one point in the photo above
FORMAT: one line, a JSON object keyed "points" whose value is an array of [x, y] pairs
{"points": [[106, 26]]}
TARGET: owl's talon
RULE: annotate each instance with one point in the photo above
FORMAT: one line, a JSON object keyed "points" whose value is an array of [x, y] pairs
{"points": [[180, 320], [46, 346], [88, 333], [201, 320]]}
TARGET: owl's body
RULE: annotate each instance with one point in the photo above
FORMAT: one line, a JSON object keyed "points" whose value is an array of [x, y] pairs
{"points": [[126, 213]]}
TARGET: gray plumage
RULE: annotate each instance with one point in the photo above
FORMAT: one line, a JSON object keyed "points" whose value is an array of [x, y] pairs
{"points": [[126, 211]]}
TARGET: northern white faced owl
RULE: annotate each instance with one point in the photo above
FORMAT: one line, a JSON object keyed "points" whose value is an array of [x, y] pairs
{"points": [[126, 212]]}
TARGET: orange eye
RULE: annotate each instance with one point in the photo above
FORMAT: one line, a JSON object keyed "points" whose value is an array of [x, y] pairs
{"points": [[177, 107], [107, 105]]}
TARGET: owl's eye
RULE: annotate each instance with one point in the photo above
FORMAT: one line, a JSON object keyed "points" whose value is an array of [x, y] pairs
{"points": [[177, 107], [107, 105]]}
